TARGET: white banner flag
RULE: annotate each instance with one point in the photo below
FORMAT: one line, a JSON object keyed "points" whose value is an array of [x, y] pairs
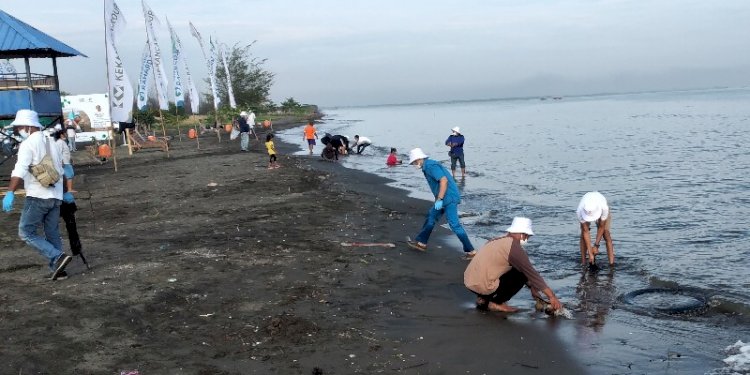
{"points": [[211, 66], [193, 91], [144, 80], [212, 72], [230, 91], [120, 90], [179, 94], [156, 57]]}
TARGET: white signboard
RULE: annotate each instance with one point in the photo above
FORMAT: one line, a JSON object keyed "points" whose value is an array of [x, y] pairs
{"points": [[93, 110]]}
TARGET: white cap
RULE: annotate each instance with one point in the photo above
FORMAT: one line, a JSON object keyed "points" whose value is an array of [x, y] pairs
{"points": [[520, 225], [26, 117], [416, 154], [456, 129], [591, 207], [243, 114]]}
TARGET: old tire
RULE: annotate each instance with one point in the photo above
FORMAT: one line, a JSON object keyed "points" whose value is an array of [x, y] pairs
{"points": [[694, 302]]}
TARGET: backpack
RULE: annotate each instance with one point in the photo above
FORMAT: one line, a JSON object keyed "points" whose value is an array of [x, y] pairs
{"points": [[45, 172]]}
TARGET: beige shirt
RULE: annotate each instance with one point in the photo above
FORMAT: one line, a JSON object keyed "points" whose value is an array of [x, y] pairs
{"points": [[495, 258]]}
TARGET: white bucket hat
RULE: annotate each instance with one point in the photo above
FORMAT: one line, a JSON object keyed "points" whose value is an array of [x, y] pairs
{"points": [[591, 211], [416, 154], [520, 225], [456, 129], [26, 117], [243, 114]]}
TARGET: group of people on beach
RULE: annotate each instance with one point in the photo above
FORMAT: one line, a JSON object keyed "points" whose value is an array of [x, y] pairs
{"points": [[501, 267]]}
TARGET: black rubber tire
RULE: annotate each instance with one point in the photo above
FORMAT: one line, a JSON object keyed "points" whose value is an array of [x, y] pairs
{"points": [[698, 304]]}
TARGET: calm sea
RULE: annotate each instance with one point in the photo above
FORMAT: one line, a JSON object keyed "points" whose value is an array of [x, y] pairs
{"points": [[674, 166]]}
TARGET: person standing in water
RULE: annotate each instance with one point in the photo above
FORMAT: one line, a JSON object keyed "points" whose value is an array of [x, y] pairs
{"points": [[456, 142], [593, 207]]}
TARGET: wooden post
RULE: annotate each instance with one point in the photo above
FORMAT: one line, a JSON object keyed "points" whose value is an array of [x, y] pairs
{"points": [[197, 132], [130, 144], [113, 146], [218, 125], [163, 130]]}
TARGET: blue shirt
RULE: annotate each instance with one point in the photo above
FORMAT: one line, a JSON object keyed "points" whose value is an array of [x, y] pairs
{"points": [[433, 172], [457, 144]]}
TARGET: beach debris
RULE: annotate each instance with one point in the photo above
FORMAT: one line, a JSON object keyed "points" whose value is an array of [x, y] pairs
{"points": [[542, 305], [368, 244], [206, 315], [131, 372], [212, 184], [171, 279], [739, 357]]}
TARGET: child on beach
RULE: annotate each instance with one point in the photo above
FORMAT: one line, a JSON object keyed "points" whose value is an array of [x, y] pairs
{"points": [[392, 158], [310, 135], [61, 141], [271, 152]]}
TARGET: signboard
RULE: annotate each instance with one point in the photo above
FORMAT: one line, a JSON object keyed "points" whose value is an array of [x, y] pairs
{"points": [[93, 110]]}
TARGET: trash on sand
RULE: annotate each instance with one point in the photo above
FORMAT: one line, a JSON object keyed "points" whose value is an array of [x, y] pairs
{"points": [[206, 315], [368, 244], [542, 305], [212, 184], [172, 279], [132, 372]]}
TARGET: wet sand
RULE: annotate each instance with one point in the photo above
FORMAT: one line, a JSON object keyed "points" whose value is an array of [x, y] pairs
{"points": [[249, 276]]}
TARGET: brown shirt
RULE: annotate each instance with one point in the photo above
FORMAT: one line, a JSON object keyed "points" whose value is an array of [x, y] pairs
{"points": [[495, 258]]}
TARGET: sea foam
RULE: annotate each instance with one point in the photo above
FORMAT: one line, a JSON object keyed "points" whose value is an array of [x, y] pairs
{"points": [[739, 357]]}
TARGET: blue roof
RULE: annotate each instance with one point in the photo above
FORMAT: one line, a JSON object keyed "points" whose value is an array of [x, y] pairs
{"points": [[19, 39]]}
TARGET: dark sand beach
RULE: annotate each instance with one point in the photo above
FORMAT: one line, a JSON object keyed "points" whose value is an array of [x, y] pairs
{"points": [[208, 263]]}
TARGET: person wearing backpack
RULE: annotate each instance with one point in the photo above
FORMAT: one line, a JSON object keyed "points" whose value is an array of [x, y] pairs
{"points": [[39, 166]]}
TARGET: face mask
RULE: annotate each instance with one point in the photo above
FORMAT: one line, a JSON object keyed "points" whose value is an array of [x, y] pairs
{"points": [[23, 133], [524, 242]]}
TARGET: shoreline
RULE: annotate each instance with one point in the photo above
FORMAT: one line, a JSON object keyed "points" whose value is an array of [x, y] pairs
{"points": [[248, 276]]}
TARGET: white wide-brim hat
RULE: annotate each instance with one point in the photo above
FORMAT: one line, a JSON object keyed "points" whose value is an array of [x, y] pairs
{"points": [[243, 114], [520, 225], [416, 154], [26, 117], [591, 212], [456, 129]]}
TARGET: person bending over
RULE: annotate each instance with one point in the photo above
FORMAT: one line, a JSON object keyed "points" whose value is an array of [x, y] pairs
{"points": [[593, 208], [361, 143]]}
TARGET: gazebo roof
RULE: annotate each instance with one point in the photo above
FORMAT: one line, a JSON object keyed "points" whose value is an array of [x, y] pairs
{"points": [[19, 39]]}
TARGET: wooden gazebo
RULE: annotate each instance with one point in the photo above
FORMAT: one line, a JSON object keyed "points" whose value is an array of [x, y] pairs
{"points": [[19, 40]]}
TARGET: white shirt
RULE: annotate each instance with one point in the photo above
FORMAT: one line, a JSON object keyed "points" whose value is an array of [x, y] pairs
{"points": [[30, 152], [64, 150], [595, 203], [251, 119], [363, 141]]}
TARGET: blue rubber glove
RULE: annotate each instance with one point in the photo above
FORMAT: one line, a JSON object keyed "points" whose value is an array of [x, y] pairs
{"points": [[8, 201], [439, 205], [68, 198]]}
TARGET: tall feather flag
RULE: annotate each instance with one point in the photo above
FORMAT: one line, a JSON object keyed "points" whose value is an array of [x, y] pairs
{"points": [[212, 71], [210, 62], [156, 57], [144, 80], [192, 90], [230, 91], [179, 94], [120, 88]]}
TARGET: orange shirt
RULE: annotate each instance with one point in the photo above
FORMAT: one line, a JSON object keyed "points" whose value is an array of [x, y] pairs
{"points": [[309, 132]]}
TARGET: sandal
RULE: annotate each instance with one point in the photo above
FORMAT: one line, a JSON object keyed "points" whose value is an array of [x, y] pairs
{"points": [[470, 255], [417, 246]]}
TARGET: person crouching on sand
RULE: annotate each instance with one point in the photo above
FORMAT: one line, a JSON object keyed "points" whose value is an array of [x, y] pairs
{"points": [[271, 152], [501, 268], [392, 158], [447, 198]]}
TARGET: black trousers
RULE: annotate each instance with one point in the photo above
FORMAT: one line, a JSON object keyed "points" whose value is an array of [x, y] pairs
{"points": [[68, 214], [361, 148], [511, 283]]}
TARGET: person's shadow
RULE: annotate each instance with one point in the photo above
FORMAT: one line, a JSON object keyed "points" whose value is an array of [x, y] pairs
{"points": [[596, 294]]}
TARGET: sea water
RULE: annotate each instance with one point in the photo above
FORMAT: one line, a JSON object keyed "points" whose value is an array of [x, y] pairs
{"points": [[674, 166]]}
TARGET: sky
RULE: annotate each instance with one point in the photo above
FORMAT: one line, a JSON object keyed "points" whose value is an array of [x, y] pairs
{"points": [[345, 52]]}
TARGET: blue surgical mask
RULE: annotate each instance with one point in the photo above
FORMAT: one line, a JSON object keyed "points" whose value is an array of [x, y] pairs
{"points": [[524, 242]]}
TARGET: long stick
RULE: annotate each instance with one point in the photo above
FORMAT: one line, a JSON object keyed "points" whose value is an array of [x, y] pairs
{"points": [[106, 61], [197, 132], [113, 147]]}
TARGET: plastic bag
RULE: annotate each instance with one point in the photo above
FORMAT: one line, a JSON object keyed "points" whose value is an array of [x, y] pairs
{"points": [[235, 133]]}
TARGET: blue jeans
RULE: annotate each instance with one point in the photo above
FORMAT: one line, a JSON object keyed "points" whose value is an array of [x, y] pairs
{"points": [[43, 213], [244, 141], [451, 215]]}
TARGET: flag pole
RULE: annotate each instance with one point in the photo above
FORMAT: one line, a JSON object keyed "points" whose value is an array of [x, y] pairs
{"points": [[106, 62]]}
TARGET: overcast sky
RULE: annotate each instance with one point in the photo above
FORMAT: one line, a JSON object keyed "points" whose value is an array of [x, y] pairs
{"points": [[345, 52]]}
